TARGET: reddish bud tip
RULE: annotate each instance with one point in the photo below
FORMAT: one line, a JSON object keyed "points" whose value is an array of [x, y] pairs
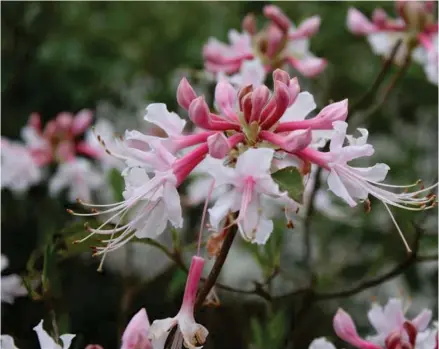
{"points": [[185, 94]]}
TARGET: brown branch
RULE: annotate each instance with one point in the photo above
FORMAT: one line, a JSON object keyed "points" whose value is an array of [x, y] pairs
{"points": [[218, 265], [379, 79]]}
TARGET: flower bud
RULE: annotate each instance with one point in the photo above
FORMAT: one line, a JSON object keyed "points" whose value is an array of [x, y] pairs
{"points": [[185, 94], [136, 332], [275, 14], [297, 140], [281, 75], [64, 121], [379, 17], [294, 88], [259, 99], [218, 145], [412, 332], [94, 346], [308, 27], [310, 67], [199, 112], [337, 111], [225, 96], [81, 122], [249, 24], [358, 23]]}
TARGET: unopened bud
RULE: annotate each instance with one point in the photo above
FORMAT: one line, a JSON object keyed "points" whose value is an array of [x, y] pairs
{"points": [[199, 112], [218, 145], [185, 94], [249, 24], [275, 14], [281, 75]]}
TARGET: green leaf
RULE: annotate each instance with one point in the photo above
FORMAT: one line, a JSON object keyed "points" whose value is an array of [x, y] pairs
{"points": [[177, 283], [290, 180], [117, 184]]}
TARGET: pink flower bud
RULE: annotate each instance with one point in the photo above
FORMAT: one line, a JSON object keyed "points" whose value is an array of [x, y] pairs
{"points": [[81, 121], [185, 94], [94, 346], [35, 121], [274, 38], [337, 111], [393, 340], [281, 75], [275, 14], [298, 140], [225, 96], [199, 112], [345, 328], [50, 129], [294, 88], [249, 24], [281, 98], [358, 23], [218, 145], [307, 28], [135, 335], [64, 121], [379, 17], [309, 67], [259, 99], [412, 332]]}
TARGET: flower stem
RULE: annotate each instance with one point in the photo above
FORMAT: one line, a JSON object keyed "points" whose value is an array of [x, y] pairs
{"points": [[216, 269]]}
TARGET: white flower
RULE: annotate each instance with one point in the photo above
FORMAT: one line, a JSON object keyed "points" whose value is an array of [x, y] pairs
{"points": [[11, 285], [390, 318], [321, 343], [46, 342], [250, 179], [382, 44], [252, 72], [19, 168], [78, 176]]}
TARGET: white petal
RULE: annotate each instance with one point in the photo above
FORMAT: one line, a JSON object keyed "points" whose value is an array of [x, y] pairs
{"points": [[382, 44], [394, 313], [221, 208], [360, 140], [171, 123], [339, 135], [302, 106], [254, 162], [4, 263], [45, 340], [336, 185], [251, 73], [67, 340], [222, 174], [352, 152], [154, 221], [255, 227], [266, 185], [7, 342], [377, 319], [422, 320], [376, 173], [321, 343], [160, 328], [172, 204]]}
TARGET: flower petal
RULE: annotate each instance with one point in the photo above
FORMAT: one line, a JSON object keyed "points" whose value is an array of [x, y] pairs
{"points": [[376, 173], [7, 342], [170, 122], [254, 162], [302, 106], [422, 320], [321, 343], [45, 340], [222, 206], [337, 186], [172, 204], [67, 340]]}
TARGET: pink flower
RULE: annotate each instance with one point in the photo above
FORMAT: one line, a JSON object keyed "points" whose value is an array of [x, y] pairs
{"points": [[135, 335], [278, 43], [416, 28], [192, 334]]}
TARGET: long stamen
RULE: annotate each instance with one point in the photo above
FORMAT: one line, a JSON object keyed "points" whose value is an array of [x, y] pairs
{"points": [[397, 227]]}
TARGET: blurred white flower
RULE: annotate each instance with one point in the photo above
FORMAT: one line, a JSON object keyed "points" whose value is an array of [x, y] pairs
{"points": [[11, 285]]}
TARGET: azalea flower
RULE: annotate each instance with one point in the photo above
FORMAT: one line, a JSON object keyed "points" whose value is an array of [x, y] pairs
{"points": [[280, 42], [20, 170], [11, 285], [46, 342], [183, 326], [416, 27], [78, 176], [250, 179], [135, 335], [356, 183], [394, 330]]}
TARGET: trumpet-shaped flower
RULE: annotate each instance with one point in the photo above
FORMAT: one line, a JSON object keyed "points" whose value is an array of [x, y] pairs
{"points": [[187, 331], [135, 335], [249, 180], [46, 342], [416, 28], [394, 330], [11, 285], [20, 169], [78, 176], [279, 42]]}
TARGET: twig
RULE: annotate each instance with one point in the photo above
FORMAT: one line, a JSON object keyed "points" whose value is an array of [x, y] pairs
{"points": [[379, 79], [218, 265]]}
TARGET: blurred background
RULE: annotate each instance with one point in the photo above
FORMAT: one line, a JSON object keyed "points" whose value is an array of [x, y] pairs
{"points": [[115, 58]]}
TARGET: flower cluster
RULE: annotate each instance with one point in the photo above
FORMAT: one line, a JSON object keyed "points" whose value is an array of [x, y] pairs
{"points": [[416, 28], [59, 142], [252, 54], [253, 133]]}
